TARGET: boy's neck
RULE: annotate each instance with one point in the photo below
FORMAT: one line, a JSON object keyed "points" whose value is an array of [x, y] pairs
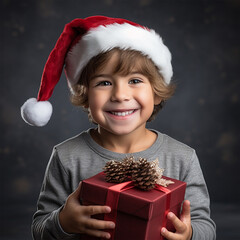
{"points": [[129, 143]]}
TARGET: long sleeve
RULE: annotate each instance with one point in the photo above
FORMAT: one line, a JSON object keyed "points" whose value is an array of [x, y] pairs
{"points": [[197, 193], [54, 192], [181, 162], [80, 158]]}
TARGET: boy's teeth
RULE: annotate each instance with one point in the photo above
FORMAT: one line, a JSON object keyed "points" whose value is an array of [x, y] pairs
{"points": [[122, 113]]}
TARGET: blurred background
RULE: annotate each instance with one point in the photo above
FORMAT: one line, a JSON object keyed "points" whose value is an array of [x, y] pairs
{"points": [[203, 37]]}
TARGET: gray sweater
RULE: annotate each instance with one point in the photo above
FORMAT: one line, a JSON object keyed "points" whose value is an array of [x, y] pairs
{"points": [[81, 157]]}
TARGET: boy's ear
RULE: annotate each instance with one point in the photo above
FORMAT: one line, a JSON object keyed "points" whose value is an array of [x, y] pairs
{"points": [[157, 99]]}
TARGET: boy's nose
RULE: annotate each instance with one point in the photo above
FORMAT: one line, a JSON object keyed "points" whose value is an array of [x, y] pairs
{"points": [[120, 93]]}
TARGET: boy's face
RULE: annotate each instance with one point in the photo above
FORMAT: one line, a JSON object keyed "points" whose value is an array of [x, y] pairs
{"points": [[120, 104]]}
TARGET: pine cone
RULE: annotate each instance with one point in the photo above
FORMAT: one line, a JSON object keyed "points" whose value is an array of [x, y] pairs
{"points": [[128, 165], [144, 174], [115, 172]]}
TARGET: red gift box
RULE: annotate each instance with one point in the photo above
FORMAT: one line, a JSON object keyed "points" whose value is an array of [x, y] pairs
{"points": [[140, 214]]}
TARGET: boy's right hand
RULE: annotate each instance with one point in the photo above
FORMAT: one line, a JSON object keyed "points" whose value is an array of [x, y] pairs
{"points": [[76, 218]]}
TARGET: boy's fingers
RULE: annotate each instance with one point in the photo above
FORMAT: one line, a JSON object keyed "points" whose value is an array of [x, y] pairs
{"points": [[92, 223], [92, 210], [177, 223], [186, 211], [97, 233], [167, 234]]}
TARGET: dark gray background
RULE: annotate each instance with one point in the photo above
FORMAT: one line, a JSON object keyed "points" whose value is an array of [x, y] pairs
{"points": [[203, 37]]}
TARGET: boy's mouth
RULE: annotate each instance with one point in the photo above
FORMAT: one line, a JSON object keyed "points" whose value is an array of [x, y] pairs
{"points": [[121, 113]]}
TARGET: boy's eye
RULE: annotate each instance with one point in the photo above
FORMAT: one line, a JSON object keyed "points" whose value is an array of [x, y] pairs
{"points": [[103, 83], [134, 81]]}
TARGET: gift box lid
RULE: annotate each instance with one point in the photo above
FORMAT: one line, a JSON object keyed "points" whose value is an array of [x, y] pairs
{"points": [[134, 201]]}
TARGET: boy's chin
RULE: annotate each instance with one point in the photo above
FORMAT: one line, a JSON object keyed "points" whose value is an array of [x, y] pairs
{"points": [[122, 130]]}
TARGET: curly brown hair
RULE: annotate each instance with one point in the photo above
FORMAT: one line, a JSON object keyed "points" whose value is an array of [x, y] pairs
{"points": [[127, 61]]}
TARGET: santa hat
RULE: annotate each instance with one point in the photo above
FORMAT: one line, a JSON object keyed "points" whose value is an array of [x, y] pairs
{"points": [[83, 39]]}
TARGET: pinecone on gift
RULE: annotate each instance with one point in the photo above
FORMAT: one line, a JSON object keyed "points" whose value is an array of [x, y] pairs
{"points": [[144, 174], [115, 172], [127, 164]]}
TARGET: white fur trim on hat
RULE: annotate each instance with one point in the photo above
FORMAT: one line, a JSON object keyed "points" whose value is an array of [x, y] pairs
{"points": [[124, 36], [36, 113]]}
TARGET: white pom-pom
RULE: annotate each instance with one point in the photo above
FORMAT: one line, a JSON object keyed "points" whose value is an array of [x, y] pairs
{"points": [[36, 113]]}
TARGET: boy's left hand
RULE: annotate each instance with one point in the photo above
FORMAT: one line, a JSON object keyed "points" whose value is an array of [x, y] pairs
{"points": [[183, 225]]}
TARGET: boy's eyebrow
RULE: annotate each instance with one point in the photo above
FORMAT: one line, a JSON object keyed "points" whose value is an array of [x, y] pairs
{"points": [[132, 73], [101, 75], [109, 75]]}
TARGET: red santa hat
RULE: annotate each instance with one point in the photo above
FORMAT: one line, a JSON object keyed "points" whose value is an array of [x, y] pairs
{"points": [[83, 39]]}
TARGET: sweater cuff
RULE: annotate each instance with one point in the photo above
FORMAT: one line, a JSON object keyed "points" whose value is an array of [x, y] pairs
{"points": [[60, 231], [193, 232]]}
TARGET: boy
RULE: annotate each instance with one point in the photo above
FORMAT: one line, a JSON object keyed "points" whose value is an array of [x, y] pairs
{"points": [[121, 73]]}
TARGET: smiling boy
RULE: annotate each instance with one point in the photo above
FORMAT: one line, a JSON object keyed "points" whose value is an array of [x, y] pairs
{"points": [[122, 82], [121, 106]]}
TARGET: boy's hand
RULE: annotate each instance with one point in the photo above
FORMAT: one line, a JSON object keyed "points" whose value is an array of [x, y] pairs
{"points": [[183, 225], [75, 218]]}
